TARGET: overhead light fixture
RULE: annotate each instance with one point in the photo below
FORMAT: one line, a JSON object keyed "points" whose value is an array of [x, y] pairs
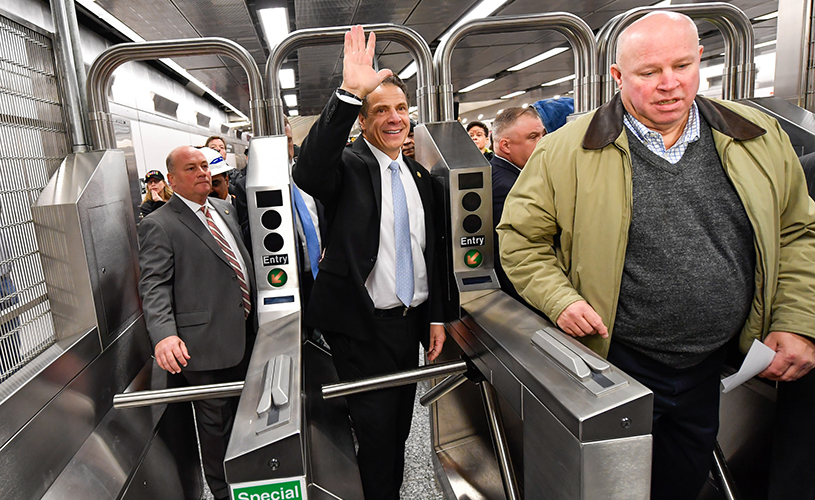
{"points": [[409, 71], [513, 94], [663, 3], [480, 116], [482, 10], [290, 100], [540, 57], [413, 109], [463, 121], [767, 17], [122, 28], [499, 112], [558, 81], [478, 84], [294, 112], [525, 105], [238, 124], [286, 76], [275, 24]]}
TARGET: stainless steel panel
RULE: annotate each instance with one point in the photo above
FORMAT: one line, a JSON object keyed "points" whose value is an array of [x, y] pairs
{"points": [[87, 230], [256, 440], [469, 469], [793, 51], [332, 462], [617, 469], [35, 456], [798, 123], [449, 153]]}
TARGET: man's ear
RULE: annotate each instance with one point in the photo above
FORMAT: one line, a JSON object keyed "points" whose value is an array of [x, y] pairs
{"points": [[503, 146], [361, 120], [616, 74]]}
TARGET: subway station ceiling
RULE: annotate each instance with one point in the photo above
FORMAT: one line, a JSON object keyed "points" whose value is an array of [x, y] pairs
{"points": [[319, 69]]}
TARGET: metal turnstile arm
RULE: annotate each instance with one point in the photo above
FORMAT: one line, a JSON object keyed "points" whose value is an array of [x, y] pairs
{"points": [[176, 395], [394, 379]]}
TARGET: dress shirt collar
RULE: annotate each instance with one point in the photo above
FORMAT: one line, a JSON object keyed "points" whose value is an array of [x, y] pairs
{"points": [[195, 207], [654, 142], [385, 160]]}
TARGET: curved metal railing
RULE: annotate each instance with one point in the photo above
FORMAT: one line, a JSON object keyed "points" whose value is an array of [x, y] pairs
{"points": [[410, 39], [104, 65], [739, 68], [577, 32]]}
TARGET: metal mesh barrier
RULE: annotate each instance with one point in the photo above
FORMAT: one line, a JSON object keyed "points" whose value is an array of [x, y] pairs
{"points": [[33, 142], [809, 98]]}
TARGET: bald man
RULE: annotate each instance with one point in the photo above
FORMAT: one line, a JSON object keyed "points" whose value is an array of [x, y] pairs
{"points": [[197, 285], [662, 225]]}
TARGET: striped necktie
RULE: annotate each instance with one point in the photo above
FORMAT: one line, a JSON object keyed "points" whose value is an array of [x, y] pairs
{"points": [[401, 233], [230, 257]]}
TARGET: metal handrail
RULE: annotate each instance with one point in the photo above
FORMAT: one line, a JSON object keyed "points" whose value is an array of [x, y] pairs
{"points": [[394, 379], [409, 38], [739, 74], [577, 32], [103, 66], [177, 395]]}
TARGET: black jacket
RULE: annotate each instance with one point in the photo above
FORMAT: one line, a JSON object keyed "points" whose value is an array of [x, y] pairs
{"points": [[347, 181]]}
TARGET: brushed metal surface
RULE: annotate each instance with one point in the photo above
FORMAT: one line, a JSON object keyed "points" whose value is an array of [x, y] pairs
{"points": [[256, 440], [38, 453], [332, 461], [470, 470], [505, 328], [798, 123]]}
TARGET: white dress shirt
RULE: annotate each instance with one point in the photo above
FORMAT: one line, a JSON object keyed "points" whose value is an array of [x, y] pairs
{"points": [[216, 218], [381, 283]]}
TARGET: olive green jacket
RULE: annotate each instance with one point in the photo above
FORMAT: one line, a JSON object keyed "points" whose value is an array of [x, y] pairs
{"points": [[564, 229]]}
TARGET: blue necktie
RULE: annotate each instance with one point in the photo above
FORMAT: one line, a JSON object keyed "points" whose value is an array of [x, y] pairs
{"points": [[312, 243], [401, 233]]}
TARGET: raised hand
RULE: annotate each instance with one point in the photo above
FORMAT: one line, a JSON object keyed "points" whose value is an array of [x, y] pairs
{"points": [[358, 74]]}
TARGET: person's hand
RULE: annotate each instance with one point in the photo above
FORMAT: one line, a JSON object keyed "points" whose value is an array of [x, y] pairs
{"points": [[358, 74], [171, 352], [154, 195], [794, 356], [437, 337], [580, 319]]}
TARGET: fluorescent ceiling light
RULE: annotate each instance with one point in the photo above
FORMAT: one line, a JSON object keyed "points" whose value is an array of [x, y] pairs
{"points": [[482, 10], [663, 3], [476, 85], [480, 116], [294, 112], [290, 100], [525, 105], [239, 124], [499, 112], [286, 76], [767, 17], [463, 121], [513, 94], [558, 81], [541, 57], [409, 71], [275, 24], [122, 28]]}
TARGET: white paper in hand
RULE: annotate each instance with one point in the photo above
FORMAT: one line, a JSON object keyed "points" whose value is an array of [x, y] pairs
{"points": [[758, 359]]}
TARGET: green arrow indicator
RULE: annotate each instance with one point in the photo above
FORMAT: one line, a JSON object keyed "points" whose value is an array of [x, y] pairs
{"points": [[277, 277], [473, 258]]}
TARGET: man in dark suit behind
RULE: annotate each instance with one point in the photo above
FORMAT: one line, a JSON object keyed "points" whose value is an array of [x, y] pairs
{"points": [[197, 285], [377, 288], [515, 133]]}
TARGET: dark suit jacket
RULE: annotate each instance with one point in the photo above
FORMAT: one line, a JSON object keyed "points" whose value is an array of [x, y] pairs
{"points": [[347, 181], [189, 289], [504, 175]]}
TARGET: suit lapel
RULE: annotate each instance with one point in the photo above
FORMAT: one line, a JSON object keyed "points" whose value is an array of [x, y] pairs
{"points": [[364, 153], [189, 219]]}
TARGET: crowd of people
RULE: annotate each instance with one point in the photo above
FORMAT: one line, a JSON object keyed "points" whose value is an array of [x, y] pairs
{"points": [[655, 229]]}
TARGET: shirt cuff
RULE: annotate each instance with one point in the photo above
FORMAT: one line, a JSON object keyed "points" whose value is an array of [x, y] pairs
{"points": [[436, 323], [345, 97]]}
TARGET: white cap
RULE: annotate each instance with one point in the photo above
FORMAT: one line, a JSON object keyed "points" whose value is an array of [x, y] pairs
{"points": [[217, 165]]}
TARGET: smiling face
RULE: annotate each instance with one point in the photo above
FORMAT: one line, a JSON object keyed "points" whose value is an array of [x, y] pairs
{"points": [[657, 71], [189, 174], [387, 123]]}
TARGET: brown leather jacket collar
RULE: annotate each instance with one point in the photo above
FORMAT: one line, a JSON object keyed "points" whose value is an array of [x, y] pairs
{"points": [[607, 123]]}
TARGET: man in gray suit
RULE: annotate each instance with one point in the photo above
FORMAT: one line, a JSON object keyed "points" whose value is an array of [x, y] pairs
{"points": [[197, 285]]}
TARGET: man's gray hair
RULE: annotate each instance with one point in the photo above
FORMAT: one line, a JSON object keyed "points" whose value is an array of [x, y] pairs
{"points": [[504, 121]]}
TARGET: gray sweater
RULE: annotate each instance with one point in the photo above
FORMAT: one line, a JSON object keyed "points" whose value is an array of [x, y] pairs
{"points": [[688, 276]]}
